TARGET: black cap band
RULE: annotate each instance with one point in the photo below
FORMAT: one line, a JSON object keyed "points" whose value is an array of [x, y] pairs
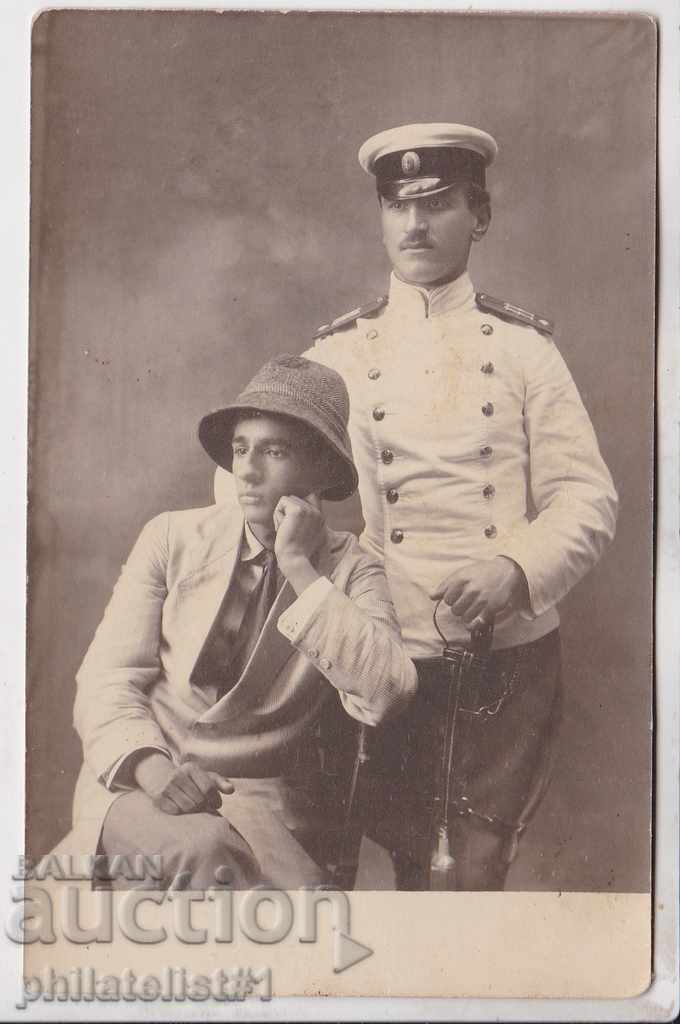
{"points": [[412, 172]]}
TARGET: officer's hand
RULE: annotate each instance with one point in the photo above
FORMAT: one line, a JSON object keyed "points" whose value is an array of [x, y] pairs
{"points": [[300, 532], [480, 591], [180, 790]]}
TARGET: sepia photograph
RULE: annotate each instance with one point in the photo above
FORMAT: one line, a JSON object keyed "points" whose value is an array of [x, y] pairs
{"points": [[341, 468]]}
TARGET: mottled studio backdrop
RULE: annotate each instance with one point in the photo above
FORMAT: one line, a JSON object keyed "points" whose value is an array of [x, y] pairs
{"points": [[197, 206]]}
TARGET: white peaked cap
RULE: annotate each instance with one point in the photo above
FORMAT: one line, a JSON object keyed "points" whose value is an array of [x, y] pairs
{"points": [[427, 136]]}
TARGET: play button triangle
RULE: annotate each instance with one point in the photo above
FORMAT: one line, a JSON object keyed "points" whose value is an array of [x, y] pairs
{"points": [[347, 952]]}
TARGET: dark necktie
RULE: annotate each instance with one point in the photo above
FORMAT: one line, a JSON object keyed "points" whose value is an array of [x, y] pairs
{"points": [[257, 609]]}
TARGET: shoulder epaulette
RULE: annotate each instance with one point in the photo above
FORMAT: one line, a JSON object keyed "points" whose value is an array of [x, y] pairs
{"points": [[508, 311], [347, 319]]}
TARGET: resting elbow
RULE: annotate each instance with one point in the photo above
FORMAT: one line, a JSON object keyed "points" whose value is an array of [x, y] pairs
{"points": [[398, 694]]}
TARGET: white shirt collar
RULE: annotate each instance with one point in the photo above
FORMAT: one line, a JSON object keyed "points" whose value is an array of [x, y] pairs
{"points": [[250, 545], [429, 302]]}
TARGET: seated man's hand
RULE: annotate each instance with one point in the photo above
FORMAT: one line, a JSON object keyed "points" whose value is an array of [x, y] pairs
{"points": [[480, 591], [300, 532], [180, 790]]}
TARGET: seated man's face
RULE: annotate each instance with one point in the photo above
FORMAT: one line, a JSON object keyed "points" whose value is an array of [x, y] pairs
{"points": [[272, 458]]}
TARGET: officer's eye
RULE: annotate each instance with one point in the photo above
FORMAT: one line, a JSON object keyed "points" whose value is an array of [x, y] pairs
{"points": [[395, 204], [437, 204], [275, 453], [239, 450]]}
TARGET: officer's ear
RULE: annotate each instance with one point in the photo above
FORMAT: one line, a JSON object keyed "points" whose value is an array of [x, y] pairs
{"points": [[479, 204], [483, 215]]}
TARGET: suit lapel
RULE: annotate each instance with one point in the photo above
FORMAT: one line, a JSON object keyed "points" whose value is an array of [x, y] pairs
{"points": [[270, 654], [211, 582], [273, 649]]}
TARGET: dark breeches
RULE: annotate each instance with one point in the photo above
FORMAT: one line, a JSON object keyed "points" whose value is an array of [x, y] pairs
{"points": [[503, 753]]}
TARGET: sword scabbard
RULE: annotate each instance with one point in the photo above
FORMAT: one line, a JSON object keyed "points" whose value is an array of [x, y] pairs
{"points": [[463, 661]]}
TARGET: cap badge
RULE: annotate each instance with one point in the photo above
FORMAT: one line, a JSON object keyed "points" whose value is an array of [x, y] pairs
{"points": [[410, 162]]}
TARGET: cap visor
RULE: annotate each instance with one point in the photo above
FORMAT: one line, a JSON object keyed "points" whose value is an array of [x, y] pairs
{"points": [[417, 188]]}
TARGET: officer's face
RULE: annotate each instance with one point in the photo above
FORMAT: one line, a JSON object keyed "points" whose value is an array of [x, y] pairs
{"points": [[428, 239]]}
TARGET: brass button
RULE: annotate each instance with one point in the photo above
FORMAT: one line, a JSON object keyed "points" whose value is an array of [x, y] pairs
{"points": [[325, 664], [489, 491], [486, 329], [387, 456], [379, 413], [487, 367], [392, 496], [371, 334], [397, 536], [487, 409], [485, 451], [373, 374], [490, 532], [313, 653]]}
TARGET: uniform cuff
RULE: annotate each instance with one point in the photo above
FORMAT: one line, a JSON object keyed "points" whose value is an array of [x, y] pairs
{"points": [[526, 613], [522, 551], [293, 622]]}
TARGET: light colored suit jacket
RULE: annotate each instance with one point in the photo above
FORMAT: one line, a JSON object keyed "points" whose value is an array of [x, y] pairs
{"points": [[135, 685]]}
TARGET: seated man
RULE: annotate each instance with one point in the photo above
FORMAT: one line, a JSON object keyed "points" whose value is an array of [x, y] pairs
{"points": [[228, 630]]}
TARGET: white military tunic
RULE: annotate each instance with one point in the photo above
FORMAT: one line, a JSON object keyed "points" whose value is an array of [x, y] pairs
{"points": [[471, 441]]}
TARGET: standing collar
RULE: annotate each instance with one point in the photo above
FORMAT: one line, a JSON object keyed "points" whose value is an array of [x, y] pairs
{"points": [[429, 302]]}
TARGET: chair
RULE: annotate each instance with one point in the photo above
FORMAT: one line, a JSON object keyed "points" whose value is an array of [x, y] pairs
{"points": [[336, 768]]}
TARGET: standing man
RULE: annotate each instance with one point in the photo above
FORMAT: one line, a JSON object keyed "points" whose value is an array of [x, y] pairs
{"points": [[482, 488]]}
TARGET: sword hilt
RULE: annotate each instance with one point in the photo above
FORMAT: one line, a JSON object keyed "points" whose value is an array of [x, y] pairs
{"points": [[481, 638], [480, 643]]}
